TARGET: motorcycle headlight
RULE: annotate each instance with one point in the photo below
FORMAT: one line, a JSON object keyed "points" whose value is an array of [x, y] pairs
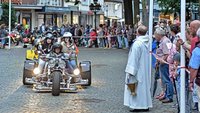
{"points": [[36, 71], [76, 71], [52, 63], [62, 64]]}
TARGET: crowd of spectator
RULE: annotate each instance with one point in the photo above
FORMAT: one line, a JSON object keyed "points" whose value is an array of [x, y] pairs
{"points": [[167, 43]]}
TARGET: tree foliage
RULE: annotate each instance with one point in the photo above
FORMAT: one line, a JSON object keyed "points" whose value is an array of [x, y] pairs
{"points": [[128, 12], [5, 15], [171, 6]]}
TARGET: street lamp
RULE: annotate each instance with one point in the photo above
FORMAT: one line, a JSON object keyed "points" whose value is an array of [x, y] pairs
{"points": [[95, 7]]}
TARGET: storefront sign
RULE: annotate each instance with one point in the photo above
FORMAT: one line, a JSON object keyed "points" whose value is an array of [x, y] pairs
{"points": [[56, 9], [26, 15]]}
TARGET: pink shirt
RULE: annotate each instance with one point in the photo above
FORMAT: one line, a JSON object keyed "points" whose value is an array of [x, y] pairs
{"points": [[163, 49]]}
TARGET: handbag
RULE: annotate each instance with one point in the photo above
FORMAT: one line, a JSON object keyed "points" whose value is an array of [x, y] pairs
{"points": [[132, 85]]}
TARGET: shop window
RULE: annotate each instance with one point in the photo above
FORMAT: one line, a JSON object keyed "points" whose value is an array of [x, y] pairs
{"points": [[66, 19], [101, 19], [26, 20], [40, 19], [49, 20], [59, 20], [75, 19]]}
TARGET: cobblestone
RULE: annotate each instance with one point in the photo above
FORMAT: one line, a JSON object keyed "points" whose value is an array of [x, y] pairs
{"points": [[104, 96]]}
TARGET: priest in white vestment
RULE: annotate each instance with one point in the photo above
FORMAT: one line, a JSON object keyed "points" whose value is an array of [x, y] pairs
{"points": [[137, 71]]}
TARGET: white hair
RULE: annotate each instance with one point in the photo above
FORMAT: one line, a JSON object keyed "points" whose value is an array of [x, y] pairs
{"points": [[160, 31], [198, 33]]}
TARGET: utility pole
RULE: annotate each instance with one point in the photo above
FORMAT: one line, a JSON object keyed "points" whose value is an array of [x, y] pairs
{"points": [[9, 22]]}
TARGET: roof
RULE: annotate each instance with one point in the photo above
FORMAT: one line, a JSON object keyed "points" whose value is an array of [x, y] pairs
{"points": [[113, 1]]}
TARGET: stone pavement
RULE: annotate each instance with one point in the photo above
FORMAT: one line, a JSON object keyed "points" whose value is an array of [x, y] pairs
{"points": [[104, 96]]}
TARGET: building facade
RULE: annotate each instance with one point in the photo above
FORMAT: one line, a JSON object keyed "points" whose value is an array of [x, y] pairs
{"points": [[55, 12], [113, 11]]}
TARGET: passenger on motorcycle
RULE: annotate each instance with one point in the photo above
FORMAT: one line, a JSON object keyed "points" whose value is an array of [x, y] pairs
{"points": [[70, 48], [56, 51]]}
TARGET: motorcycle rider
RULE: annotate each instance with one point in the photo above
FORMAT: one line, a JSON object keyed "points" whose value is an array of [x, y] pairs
{"points": [[45, 48], [56, 51], [47, 45], [70, 48]]}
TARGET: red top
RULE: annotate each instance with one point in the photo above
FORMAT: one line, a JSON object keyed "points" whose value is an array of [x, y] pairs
{"points": [[193, 42], [93, 35]]}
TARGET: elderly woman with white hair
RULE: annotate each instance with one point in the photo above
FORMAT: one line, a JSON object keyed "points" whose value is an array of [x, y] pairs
{"points": [[194, 65], [163, 52]]}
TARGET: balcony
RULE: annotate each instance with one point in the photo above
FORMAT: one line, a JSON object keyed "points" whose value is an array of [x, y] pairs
{"points": [[21, 2], [35, 2]]}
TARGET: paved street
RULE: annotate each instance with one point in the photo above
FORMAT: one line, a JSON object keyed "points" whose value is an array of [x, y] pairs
{"points": [[104, 96]]}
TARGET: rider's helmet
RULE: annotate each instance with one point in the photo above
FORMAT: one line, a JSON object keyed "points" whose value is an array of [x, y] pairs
{"points": [[49, 35], [58, 30], [55, 33], [57, 45], [68, 35]]}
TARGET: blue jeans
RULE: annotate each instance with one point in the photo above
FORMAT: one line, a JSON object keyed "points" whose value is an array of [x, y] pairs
{"points": [[3, 41], [187, 93], [73, 63], [119, 40], [126, 42], [101, 42], [164, 72]]}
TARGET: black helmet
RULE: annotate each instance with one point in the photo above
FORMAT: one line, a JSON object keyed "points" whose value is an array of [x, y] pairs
{"points": [[57, 45], [55, 33], [49, 35]]}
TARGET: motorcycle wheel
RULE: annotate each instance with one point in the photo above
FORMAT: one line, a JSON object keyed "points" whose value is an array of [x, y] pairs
{"points": [[87, 74], [56, 75], [24, 77]]}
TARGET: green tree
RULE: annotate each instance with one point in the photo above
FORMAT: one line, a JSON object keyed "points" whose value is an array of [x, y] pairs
{"points": [[171, 6], [144, 13], [5, 15], [128, 12]]}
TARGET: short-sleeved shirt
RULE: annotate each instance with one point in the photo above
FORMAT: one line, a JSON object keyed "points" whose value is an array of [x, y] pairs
{"points": [[193, 42], [195, 59], [163, 49]]}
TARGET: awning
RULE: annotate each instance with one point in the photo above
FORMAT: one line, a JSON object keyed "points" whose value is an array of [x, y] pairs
{"points": [[51, 9]]}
